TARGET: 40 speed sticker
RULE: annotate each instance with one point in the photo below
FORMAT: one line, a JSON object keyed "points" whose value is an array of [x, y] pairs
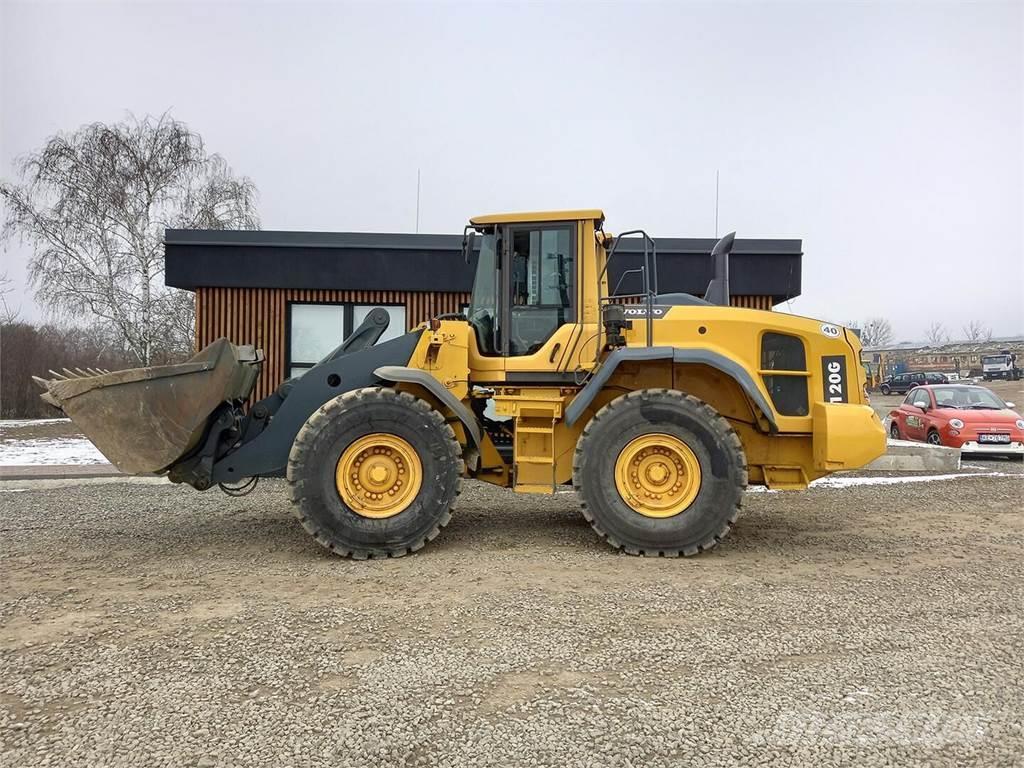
{"points": [[833, 373], [832, 331]]}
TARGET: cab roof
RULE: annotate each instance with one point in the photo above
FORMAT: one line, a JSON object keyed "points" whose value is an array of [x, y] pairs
{"points": [[535, 216]]}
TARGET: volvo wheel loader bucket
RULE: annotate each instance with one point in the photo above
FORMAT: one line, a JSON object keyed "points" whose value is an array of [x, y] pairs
{"points": [[146, 419]]}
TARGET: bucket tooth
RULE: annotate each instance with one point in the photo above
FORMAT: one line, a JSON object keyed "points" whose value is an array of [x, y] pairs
{"points": [[70, 374], [58, 376]]}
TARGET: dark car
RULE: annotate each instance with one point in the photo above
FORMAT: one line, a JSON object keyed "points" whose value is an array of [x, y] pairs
{"points": [[904, 382]]}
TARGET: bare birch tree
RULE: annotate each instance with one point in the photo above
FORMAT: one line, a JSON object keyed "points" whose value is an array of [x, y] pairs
{"points": [[93, 204]]}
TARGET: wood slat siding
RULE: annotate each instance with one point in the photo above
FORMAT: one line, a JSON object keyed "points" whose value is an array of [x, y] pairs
{"points": [[747, 302], [257, 316], [752, 302]]}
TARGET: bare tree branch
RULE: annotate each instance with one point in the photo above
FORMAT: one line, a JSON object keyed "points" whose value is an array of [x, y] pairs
{"points": [[975, 330], [936, 333], [94, 204], [876, 332], [8, 314]]}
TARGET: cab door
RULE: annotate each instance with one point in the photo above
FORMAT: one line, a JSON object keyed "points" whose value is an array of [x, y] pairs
{"points": [[541, 307]]}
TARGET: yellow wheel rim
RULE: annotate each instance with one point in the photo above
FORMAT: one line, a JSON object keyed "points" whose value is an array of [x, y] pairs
{"points": [[657, 475], [379, 475]]}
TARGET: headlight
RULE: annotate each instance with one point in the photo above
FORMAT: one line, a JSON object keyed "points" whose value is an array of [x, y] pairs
{"points": [[956, 424], [1020, 423]]}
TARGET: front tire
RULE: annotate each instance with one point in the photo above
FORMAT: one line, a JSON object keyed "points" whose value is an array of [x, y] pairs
{"points": [[659, 472], [374, 473], [885, 389], [934, 438]]}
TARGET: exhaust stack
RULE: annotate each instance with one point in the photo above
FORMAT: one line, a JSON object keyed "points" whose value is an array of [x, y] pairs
{"points": [[718, 288]]}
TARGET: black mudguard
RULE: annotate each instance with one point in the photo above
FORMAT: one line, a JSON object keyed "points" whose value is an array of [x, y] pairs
{"points": [[267, 452]]}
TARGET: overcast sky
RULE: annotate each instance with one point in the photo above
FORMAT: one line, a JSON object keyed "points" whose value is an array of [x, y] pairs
{"points": [[889, 137]]}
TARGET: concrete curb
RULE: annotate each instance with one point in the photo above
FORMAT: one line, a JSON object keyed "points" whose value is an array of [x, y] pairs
{"points": [[908, 456], [58, 471]]}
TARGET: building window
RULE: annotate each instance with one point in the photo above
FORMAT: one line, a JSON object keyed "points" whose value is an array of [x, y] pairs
{"points": [[783, 369], [315, 330]]}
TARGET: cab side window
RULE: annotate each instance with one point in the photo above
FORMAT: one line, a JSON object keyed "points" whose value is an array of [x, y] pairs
{"points": [[542, 272]]}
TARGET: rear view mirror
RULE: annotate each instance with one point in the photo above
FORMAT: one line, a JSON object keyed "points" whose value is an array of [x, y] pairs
{"points": [[921, 404], [468, 241], [1011, 405]]}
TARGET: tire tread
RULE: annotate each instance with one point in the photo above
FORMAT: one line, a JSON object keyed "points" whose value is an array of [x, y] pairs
{"points": [[303, 445], [713, 418]]}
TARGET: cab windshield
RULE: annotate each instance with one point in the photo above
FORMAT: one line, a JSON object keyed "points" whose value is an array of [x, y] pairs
{"points": [[967, 398], [995, 359], [483, 305]]}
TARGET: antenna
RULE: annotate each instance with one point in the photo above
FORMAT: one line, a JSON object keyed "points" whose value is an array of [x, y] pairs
{"points": [[716, 202], [418, 201]]}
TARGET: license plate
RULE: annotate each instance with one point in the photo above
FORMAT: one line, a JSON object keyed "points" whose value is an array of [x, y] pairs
{"points": [[993, 438]]}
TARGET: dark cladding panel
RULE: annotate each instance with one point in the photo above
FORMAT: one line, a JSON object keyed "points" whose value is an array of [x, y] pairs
{"points": [[402, 262], [295, 266]]}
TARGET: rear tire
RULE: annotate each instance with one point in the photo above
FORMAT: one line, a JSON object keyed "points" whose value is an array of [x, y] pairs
{"points": [[660, 416], [356, 417], [894, 430]]}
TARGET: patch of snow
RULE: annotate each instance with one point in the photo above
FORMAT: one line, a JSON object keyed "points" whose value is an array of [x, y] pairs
{"points": [[850, 482], [45, 451], [12, 423], [13, 490]]}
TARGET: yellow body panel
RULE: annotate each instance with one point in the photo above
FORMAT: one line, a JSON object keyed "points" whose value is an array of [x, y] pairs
{"points": [[530, 217], [839, 436], [783, 450]]}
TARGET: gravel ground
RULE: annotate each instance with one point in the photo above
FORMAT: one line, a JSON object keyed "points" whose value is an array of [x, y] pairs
{"points": [[145, 624]]}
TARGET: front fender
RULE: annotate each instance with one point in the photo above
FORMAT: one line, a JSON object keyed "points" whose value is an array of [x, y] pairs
{"points": [[399, 373]]}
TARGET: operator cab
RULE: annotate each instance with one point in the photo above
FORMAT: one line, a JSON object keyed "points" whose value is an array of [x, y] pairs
{"points": [[526, 286]]}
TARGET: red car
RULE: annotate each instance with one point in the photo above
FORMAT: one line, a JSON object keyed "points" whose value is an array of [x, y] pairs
{"points": [[973, 419]]}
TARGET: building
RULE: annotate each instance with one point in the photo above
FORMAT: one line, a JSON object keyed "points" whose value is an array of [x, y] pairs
{"points": [[297, 294], [962, 357]]}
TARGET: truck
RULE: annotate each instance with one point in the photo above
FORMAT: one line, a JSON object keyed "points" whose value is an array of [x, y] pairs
{"points": [[657, 409], [1001, 366]]}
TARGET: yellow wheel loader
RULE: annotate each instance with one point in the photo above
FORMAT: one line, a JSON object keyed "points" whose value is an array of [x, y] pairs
{"points": [[659, 409]]}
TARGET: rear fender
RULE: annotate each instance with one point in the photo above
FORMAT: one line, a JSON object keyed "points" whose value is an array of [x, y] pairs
{"points": [[729, 367]]}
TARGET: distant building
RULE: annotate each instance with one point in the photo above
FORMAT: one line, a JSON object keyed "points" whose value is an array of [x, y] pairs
{"points": [[959, 357]]}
